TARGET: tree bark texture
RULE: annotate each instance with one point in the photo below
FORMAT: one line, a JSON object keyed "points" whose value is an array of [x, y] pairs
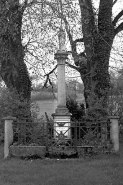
{"points": [[98, 38], [13, 69]]}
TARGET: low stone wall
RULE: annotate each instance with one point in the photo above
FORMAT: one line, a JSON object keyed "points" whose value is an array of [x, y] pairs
{"points": [[25, 151]]}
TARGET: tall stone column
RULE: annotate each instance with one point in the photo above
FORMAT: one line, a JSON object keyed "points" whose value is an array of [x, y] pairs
{"points": [[61, 57], [61, 116]]}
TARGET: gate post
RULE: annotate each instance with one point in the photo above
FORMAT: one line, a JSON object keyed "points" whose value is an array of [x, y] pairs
{"points": [[8, 135], [47, 135], [114, 132], [75, 136]]}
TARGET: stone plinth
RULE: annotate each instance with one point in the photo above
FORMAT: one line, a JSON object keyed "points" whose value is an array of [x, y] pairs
{"points": [[62, 125]]}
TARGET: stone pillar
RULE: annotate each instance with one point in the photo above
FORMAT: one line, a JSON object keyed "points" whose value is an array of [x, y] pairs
{"points": [[8, 135], [114, 132], [61, 116], [61, 57]]}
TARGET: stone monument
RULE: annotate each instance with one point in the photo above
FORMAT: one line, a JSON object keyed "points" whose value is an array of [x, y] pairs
{"points": [[61, 116]]}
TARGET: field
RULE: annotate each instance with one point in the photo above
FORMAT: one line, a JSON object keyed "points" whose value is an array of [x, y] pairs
{"points": [[97, 170]]}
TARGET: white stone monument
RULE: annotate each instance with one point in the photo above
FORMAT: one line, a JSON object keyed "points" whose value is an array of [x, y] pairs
{"points": [[61, 116]]}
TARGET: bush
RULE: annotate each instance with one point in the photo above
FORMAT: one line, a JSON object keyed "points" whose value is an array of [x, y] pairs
{"points": [[11, 106], [77, 110]]}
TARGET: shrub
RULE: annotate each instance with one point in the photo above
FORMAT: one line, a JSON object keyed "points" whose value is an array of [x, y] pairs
{"points": [[77, 110], [11, 106]]}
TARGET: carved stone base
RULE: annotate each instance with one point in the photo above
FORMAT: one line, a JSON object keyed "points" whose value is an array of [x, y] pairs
{"points": [[61, 110], [62, 126], [62, 119]]}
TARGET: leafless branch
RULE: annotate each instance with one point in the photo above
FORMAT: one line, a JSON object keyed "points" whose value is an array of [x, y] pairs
{"points": [[61, 16], [35, 56], [24, 5], [28, 42], [114, 2], [114, 22], [51, 71], [74, 52], [45, 84], [29, 4], [119, 28], [48, 77], [78, 40], [72, 66]]}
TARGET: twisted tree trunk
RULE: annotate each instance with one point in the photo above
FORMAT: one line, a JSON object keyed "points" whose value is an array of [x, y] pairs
{"points": [[98, 40], [13, 69]]}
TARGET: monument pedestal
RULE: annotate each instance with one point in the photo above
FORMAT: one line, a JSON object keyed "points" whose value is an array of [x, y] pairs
{"points": [[62, 124]]}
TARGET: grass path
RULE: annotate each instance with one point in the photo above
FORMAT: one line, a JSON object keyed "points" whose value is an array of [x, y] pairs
{"points": [[101, 170]]}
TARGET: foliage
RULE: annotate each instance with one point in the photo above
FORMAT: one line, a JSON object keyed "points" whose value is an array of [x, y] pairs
{"points": [[77, 110], [10, 105], [34, 110], [97, 109]]}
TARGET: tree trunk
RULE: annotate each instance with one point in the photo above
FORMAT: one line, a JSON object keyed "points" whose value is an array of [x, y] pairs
{"points": [[13, 69], [98, 40]]}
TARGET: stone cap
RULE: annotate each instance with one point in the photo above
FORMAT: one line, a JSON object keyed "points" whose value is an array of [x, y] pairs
{"points": [[9, 118], [61, 55], [113, 117], [61, 114]]}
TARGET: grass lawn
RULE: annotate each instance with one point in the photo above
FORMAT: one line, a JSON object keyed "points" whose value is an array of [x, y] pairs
{"points": [[99, 170]]}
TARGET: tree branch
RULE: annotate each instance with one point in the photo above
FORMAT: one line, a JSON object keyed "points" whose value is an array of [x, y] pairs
{"points": [[61, 16], [119, 28], [72, 66], [29, 4], [114, 2], [51, 71], [67, 27], [24, 5], [114, 22], [105, 6], [78, 40], [89, 27], [48, 77]]}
